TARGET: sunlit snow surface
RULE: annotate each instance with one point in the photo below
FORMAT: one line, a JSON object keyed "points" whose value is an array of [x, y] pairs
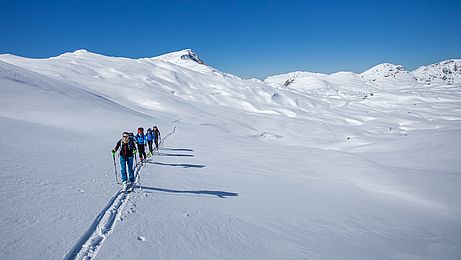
{"points": [[299, 166]]}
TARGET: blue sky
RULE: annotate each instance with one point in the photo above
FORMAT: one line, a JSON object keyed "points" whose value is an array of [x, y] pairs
{"points": [[245, 38]]}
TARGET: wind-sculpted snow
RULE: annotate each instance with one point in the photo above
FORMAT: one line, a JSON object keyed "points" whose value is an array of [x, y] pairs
{"points": [[300, 166]]}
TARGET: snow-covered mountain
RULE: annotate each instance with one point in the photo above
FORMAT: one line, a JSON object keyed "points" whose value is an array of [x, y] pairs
{"points": [[189, 59], [186, 58], [152, 83], [388, 73], [303, 165], [445, 72], [385, 74]]}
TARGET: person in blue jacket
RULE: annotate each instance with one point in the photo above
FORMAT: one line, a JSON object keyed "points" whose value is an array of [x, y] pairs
{"points": [[150, 139], [141, 141]]}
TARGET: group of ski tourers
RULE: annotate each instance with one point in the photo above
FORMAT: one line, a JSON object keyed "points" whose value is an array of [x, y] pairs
{"points": [[128, 151]]}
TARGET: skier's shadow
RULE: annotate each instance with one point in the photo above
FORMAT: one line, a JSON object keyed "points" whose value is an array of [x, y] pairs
{"points": [[183, 165], [168, 152], [175, 154], [217, 193], [179, 149]]}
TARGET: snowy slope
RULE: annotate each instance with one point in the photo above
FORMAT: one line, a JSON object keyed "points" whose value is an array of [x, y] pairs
{"points": [[33, 97], [52, 139], [326, 166]]}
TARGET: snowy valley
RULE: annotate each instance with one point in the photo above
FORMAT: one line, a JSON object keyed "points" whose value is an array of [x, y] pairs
{"points": [[297, 166]]}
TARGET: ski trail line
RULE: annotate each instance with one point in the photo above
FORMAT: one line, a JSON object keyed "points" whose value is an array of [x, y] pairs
{"points": [[88, 245], [90, 242]]}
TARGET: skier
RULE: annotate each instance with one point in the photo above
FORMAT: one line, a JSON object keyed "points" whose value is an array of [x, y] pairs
{"points": [[127, 149], [150, 138], [141, 141], [156, 133]]}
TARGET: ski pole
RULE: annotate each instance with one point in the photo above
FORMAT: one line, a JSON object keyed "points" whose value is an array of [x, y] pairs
{"points": [[139, 179], [115, 169]]}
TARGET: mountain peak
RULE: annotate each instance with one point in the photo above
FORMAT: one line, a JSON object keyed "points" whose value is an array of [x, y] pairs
{"points": [[81, 51], [384, 68], [188, 54], [448, 72], [76, 53], [387, 71], [180, 57]]}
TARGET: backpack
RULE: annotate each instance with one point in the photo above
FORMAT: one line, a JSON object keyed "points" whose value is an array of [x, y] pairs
{"points": [[149, 135], [140, 138], [131, 145]]}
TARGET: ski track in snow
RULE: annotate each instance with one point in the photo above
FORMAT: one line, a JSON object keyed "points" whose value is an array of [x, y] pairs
{"points": [[91, 241], [89, 244]]}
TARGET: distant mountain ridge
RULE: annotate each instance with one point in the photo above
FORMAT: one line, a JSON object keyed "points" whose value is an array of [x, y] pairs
{"points": [[445, 72]]}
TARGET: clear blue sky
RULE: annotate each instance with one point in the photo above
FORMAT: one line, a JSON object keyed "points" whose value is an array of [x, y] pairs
{"points": [[242, 37]]}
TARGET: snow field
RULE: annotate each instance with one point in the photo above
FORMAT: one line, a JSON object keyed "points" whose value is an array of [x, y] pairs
{"points": [[329, 166]]}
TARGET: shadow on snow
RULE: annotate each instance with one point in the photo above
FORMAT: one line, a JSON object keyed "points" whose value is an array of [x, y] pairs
{"points": [[184, 165], [174, 154], [178, 149], [221, 194]]}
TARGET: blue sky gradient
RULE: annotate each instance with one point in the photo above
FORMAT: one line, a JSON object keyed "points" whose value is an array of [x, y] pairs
{"points": [[245, 38]]}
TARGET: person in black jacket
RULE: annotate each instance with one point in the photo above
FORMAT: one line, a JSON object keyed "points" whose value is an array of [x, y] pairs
{"points": [[156, 133], [127, 150]]}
